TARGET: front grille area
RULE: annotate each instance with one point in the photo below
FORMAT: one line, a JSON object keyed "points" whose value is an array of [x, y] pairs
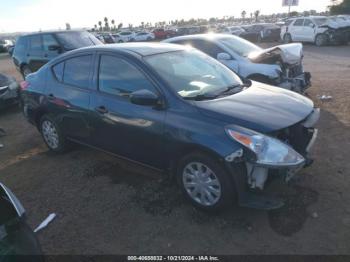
{"points": [[295, 71], [297, 136]]}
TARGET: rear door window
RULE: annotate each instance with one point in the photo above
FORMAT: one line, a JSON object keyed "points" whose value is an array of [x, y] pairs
{"points": [[207, 47], [35, 43], [298, 22], [77, 71]]}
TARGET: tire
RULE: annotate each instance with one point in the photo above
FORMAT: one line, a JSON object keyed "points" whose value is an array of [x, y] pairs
{"points": [[320, 40], [259, 39], [120, 41], [52, 135], [287, 38], [26, 71], [215, 189]]}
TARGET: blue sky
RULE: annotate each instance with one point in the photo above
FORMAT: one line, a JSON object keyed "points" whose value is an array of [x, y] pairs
{"points": [[32, 15]]}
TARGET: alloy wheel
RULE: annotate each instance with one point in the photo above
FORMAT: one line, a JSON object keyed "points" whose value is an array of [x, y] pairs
{"points": [[201, 184], [50, 134]]}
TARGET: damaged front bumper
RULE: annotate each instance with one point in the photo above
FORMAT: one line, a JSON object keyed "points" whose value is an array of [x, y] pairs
{"points": [[256, 175], [297, 83]]}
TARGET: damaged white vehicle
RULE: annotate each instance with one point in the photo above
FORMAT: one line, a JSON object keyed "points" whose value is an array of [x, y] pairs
{"points": [[321, 30], [279, 66]]}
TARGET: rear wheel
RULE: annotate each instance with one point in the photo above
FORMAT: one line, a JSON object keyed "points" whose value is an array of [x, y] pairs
{"points": [[205, 182], [52, 135]]}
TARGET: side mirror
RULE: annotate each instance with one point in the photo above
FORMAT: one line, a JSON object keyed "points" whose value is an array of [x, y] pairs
{"points": [[223, 56], [246, 82], [54, 48], [10, 206], [144, 97]]}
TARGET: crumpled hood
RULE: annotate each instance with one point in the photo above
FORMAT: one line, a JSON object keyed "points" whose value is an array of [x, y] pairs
{"points": [[261, 107], [289, 53]]}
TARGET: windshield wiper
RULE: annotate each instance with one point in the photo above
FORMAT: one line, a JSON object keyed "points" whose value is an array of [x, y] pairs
{"points": [[200, 97], [230, 90]]}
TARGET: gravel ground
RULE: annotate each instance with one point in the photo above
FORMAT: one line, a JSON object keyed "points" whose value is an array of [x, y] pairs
{"points": [[107, 206]]}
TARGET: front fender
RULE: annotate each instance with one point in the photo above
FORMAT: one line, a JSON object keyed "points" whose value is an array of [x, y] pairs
{"points": [[270, 71]]}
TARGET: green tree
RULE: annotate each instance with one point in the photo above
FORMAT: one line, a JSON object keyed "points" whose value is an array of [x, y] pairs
{"points": [[340, 7], [113, 24], [120, 26], [243, 14], [100, 25], [256, 15]]}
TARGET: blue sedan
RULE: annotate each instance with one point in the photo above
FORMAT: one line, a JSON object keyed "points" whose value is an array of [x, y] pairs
{"points": [[175, 109]]}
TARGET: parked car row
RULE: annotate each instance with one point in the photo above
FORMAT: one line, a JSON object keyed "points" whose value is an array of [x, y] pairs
{"points": [[320, 30]]}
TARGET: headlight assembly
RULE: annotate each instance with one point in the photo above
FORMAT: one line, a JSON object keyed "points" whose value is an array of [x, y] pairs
{"points": [[268, 150]]}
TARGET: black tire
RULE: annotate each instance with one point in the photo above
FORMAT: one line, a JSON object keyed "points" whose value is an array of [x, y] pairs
{"points": [[287, 38], [227, 187], [120, 41], [25, 71], [62, 144], [259, 39], [320, 40]]}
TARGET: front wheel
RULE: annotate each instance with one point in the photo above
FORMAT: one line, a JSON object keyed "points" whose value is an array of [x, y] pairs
{"points": [[320, 40], [52, 135], [287, 38], [205, 182]]}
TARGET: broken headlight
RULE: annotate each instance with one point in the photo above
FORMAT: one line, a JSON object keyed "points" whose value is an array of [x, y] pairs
{"points": [[268, 150]]}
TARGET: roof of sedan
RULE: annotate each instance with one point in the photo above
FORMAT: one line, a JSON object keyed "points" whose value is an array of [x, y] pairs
{"points": [[197, 36], [142, 49]]}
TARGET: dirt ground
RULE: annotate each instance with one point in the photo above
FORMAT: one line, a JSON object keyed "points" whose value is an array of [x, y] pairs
{"points": [[107, 206]]}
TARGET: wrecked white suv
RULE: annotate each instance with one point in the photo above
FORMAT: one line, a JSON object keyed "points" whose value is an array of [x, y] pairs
{"points": [[321, 30], [280, 65]]}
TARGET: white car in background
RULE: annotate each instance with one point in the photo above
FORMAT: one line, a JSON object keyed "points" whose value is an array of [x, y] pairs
{"points": [[233, 30], [320, 30], [125, 36], [144, 36]]}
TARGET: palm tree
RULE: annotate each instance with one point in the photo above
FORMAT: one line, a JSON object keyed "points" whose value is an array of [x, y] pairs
{"points": [[251, 17], [100, 24], [243, 14], [256, 14], [106, 24], [113, 23]]}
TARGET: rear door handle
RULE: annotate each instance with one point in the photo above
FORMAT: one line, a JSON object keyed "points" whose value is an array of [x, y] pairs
{"points": [[101, 110]]}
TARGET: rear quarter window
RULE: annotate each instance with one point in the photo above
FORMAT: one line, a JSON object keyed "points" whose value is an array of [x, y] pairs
{"points": [[298, 22], [57, 71], [77, 71]]}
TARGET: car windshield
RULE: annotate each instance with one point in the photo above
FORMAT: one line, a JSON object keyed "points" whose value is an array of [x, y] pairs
{"points": [[193, 74], [320, 21], [74, 40], [239, 46]]}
